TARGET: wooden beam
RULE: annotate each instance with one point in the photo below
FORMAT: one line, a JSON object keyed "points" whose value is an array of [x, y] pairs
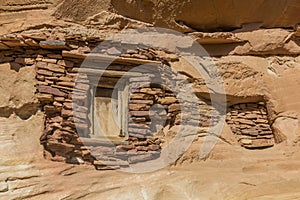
{"points": [[108, 73], [104, 79], [107, 58], [100, 65]]}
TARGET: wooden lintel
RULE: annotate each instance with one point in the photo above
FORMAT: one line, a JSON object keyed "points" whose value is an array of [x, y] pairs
{"points": [[110, 59], [108, 73]]}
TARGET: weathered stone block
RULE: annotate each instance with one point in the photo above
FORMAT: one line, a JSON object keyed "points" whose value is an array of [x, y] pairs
{"points": [[141, 148], [56, 119], [66, 84], [110, 163], [51, 90], [263, 121], [68, 123], [45, 72], [60, 148], [260, 143], [45, 98], [51, 109], [251, 132], [136, 107], [68, 105], [141, 96], [151, 91], [57, 104], [55, 68], [53, 44], [125, 147], [252, 116], [66, 113], [66, 79], [140, 113], [140, 158], [246, 121], [148, 102], [141, 143], [66, 63], [40, 78], [174, 107], [49, 60], [167, 100], [139, 131], [55, 56], [59, 99], [153, 147]]}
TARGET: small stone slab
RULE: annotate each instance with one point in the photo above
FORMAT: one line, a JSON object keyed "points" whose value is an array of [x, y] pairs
{"points": [[51, 90], [53, 44]]}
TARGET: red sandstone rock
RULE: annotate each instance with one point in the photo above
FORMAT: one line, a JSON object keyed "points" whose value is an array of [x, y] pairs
{"points": [[174, 108], [140, 113], [67, 84], [45, 98], [150, 91], [139, 107], [55, 68], [68, 105], [141, 96], [167, 100], [56, 119], [60, 148], [51, 109], [66, 113], [141, 148], [45, 72], [65, 63], [125, 147], [59, 99], [141, 143], [49, 60], [149, 102], [153, 147], [51, 90]]}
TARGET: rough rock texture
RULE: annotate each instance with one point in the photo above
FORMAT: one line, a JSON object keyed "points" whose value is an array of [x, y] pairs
{"points": [[184, 16], [255, 47]]}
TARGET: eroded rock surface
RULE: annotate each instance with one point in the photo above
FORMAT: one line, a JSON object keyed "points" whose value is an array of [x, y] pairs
{"points": [[255, 47]]}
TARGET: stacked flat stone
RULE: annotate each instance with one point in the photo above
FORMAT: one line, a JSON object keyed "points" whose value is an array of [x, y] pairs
{"points": [[56, 92], [142, 122], [249, 121], [57, 64]]}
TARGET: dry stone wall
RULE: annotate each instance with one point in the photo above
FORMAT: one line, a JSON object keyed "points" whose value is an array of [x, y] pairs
{"points": [[65, 98], [249, 122]]}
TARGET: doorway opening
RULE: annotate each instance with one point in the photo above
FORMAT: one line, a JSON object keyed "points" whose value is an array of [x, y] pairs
{"points": [[109, 111]]}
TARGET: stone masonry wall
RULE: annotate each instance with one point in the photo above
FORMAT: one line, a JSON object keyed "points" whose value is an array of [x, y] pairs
{"points": [[249, 121], [57, 67]]}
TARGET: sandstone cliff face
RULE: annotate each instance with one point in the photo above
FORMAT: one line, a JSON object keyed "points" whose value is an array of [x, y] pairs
{"points": [[256, 47], [184, 16]]}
